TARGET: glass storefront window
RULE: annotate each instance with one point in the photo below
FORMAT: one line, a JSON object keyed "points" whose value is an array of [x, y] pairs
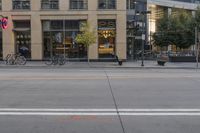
{"points": [[78, 4], [107, 4], [59, 38], [22, 38], [130, 4], [49, 4], [57, 25], [21, 4], [106, 38]]}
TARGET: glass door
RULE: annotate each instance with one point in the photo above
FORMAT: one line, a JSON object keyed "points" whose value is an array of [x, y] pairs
{"points": [[23, 43], [53, 44]]}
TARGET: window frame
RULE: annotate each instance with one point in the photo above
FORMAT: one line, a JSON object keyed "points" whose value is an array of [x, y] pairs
{"points": [[20, 4], [130, 4], [108, 4], [80, 4], [50, 3]]}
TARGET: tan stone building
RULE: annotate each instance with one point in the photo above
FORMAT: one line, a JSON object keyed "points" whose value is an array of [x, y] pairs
{"points": [[41, 28]]}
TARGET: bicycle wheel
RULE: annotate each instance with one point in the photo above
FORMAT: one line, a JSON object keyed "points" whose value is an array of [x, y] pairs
{"points": [[6, 60], [21, 60], [61, 61], [49, 61], [10, 61]]}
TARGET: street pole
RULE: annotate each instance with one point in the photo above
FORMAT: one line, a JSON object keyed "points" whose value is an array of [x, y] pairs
{"points": [[143, 38], [197, 47]]}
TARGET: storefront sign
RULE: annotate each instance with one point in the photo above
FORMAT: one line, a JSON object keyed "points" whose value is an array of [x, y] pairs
{"points": [[106, 24], [4, 23]]}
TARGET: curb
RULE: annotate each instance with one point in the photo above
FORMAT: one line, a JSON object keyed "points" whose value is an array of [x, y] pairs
{"points": [[98, 67]]}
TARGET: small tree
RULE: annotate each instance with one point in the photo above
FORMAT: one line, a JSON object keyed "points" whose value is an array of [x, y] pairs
{"points": [[161, 36], [177, 29], [87, 37]]}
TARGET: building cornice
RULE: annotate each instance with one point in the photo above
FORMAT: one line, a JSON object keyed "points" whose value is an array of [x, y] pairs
{"points": [[173, 4]]}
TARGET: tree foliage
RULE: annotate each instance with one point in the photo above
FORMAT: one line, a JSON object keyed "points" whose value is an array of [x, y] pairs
{"points": [[86, 36], [176, 29]]}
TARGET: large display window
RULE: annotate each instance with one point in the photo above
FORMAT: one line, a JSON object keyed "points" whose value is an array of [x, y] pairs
{"points": [[59, 39], [23, 38], [106, 38]]}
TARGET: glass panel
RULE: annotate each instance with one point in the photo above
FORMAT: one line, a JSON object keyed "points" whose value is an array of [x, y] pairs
{"points": [[23, 38], [22, 24], [23, 43], [107, 4], [72, 25], [78, 4], [106, 38], [21, 4], [47, 44], [60, 39], [49, 4], [57, 25]]}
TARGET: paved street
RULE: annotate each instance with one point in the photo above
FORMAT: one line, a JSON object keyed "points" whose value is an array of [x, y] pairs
{"points": [[109, 100]]}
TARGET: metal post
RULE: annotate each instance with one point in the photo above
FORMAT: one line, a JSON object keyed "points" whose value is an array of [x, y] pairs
{"points": [[143, 20], [197, 47]]}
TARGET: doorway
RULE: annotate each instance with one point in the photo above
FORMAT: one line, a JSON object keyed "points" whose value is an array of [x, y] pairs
{"points": [[23, 43]]}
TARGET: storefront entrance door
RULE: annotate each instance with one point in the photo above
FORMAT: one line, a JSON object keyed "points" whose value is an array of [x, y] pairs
{"points": [[23, 43]]}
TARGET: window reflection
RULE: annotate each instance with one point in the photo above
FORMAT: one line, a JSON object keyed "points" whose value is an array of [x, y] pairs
{"points": [[49, 4], [59, 38], [78, 4], [21, 4], [107, 4]]}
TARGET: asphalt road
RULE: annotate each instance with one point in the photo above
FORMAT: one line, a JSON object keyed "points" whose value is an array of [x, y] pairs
{"points": [[99, 101]]}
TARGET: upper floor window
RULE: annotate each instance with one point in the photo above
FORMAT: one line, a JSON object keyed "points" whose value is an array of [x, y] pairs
{"points": [[49, 4], [107, 4], [78, 4], [21, 4], [130, 4]]}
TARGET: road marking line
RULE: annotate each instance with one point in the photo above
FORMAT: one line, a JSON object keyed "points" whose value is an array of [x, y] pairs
{"points": [[57, 110], [97, 110], [94, 114]]}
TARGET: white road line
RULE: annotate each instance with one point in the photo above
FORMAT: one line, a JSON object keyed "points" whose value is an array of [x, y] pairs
{"points": [[96, 110], [57, 110], [93, 114]]}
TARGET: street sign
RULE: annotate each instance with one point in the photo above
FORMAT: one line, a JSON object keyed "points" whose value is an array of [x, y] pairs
{"points": [[4, 23]]}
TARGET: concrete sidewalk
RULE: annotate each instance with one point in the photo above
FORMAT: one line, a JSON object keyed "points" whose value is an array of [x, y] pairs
{"points": [[128, 64]]}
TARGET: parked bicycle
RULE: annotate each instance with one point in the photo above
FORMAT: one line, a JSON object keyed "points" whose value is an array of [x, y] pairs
{"points": [[56, 60], [15, 59]]}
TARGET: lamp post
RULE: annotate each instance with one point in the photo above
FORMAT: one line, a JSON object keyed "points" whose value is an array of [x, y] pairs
{"points": [[143, 14], [197, 46]]}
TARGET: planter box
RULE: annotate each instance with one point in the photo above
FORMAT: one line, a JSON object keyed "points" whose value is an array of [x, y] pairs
{"points": [[182, 58], [161, 63]]}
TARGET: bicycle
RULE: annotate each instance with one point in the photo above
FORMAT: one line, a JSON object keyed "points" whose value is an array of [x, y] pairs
{"points": [[15, 59], [54, 60]]}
